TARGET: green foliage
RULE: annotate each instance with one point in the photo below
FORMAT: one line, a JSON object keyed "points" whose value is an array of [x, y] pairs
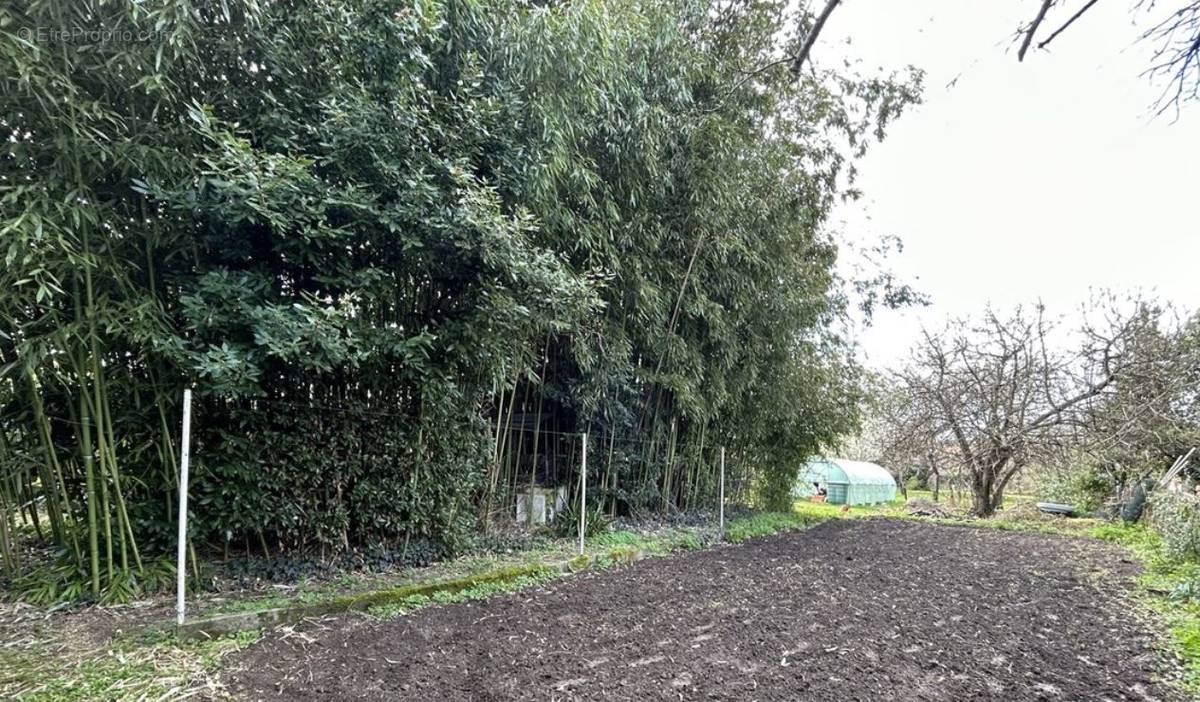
{"points": [[1166, 586], [1176, 516], [776, 490], [477, 591], [1185, 633], [764, 524], [1084, 487], [816, 511], [369, 234], [679, 539], [334, 479], [151, 667], [1186, 591], [64, 580], [396, 609], [622, 538], [566, 522]]}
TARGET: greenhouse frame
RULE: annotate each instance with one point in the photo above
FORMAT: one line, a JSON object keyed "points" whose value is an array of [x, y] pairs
{"points": [[847, 482]]}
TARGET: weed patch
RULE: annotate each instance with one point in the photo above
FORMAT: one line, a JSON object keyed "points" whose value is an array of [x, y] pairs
{"points": [[1169, 586], [474, 592], [765, 524], [130, 669]]}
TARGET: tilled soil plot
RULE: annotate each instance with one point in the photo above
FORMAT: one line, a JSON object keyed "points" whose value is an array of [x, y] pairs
{"points": [[873, 609]]}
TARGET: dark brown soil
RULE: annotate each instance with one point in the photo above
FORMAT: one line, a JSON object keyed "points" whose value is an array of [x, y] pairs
{"points": [[849, 610]]}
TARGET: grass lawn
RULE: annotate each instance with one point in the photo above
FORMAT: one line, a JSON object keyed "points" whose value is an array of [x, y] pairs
{"points": [[964, 501]]}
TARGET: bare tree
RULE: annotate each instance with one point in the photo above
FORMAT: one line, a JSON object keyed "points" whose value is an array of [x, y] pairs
{"points": [[996, 395], [1174, 31], [1150, 416], [899, 435]]}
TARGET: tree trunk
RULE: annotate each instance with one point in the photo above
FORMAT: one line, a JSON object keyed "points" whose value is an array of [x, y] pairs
{"points": [[988, 481], [981, 492], [981, 504], [987, 505], [986, 499]]}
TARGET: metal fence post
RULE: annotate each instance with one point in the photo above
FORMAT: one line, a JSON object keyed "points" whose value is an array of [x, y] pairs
{"points": [[583, 493], [721, 494], [181, 550]]}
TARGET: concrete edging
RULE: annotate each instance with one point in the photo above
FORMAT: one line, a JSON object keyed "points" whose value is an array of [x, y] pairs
{"points": [[224, 624]]}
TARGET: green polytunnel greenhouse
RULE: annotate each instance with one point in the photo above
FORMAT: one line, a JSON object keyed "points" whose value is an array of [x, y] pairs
{"points": [[847, 482]]}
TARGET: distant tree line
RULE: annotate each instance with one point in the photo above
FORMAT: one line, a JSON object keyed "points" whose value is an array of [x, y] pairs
{"points": [[405, 253]]}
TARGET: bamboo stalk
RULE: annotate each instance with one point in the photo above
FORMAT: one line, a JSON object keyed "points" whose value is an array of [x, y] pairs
{"points": [[89, 472], [122, 512], [34, 518], [50, 471], [503, 439], [608, 474], [669, 469], [8, 551], [494, 467], [10, 497], [516, 464], [97, 411]]}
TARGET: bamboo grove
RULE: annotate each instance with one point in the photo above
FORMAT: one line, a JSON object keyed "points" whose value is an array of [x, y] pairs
{"points": [[405, 253]]}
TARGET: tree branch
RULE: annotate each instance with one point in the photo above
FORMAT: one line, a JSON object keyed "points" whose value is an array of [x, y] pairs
{"points": [[1033, 27], [1068, 23], [811, 39]]}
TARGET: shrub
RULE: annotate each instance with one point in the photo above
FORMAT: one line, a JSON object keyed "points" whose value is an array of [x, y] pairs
{"points": [[566, 522], [1084, 488], [1177, 517], [776, 488], [63, 580]]}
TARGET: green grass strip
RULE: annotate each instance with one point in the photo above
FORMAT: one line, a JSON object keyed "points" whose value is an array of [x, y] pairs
{"points": [[1171, 588]]}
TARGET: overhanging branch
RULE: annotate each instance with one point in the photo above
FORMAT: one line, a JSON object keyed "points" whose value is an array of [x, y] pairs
{"points": [[806, 48]]}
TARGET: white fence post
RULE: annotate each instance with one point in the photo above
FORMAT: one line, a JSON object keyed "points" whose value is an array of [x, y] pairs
{"points": [[181, 550], [583, 493], [721, 494]]}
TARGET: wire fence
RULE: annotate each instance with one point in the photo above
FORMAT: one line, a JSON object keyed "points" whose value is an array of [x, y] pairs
{"points": [[629, 472], [586, 467]]}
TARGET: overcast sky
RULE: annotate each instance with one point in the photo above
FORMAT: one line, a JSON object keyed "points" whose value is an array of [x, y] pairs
{"points": [[1021, 181]]}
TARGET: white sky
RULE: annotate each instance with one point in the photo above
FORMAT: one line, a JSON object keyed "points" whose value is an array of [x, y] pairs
{"points": [[1041, 179]]}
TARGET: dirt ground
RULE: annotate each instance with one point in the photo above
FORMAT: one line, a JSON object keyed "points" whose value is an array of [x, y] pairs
{"points": [[874, 609]]}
